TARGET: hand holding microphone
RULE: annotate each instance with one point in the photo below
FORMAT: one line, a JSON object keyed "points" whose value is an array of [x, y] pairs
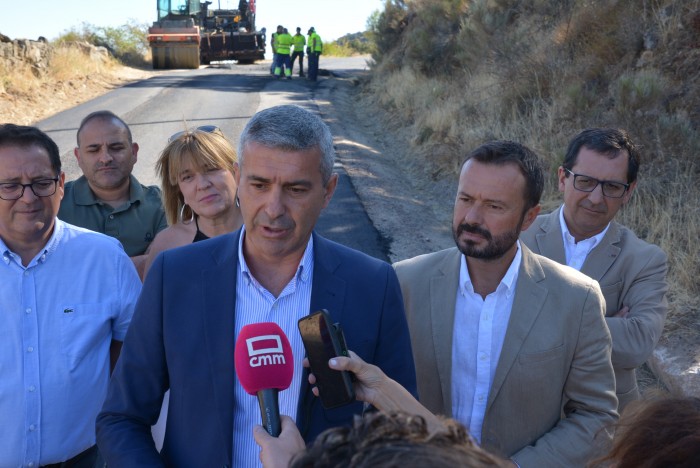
{"points": [[264, 366]]}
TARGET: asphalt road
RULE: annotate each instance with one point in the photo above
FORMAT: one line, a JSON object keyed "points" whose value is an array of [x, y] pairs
{"points": [[226, 95]]}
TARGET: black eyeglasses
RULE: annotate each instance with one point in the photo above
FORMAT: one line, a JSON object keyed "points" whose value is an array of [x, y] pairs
{"points": [[40, 188], [610, 188], [203, 128]]}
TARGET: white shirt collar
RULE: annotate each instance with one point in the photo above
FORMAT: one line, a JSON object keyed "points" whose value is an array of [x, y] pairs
{"points": [[508, 281]]}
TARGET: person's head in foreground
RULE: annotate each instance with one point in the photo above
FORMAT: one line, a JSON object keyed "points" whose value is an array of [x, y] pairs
{"points": [[657, 433], [394, 440]]}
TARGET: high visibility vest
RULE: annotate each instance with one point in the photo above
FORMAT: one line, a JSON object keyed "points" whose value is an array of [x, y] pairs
{"points": [[315, 43], [299, 42], [283, 43]]}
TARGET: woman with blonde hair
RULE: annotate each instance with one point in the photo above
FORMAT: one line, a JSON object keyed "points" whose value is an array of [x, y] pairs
{"points": [[197, 171]]}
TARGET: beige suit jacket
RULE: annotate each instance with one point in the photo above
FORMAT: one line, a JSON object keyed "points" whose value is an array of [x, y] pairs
{"points": [[553, 390], [631, 273]]}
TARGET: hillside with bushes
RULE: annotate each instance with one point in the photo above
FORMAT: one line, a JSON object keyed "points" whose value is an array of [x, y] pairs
{"points": [[451, 74]]}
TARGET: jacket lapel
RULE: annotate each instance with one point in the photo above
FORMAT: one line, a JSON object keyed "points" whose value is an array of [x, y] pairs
{"points": [[443, 293], [602, 257], [327, 292], [550, 242], [219, 293], [527, 304]]}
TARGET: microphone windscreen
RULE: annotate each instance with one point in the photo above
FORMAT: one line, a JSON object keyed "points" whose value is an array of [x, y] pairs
{"points": [[263, 358]]}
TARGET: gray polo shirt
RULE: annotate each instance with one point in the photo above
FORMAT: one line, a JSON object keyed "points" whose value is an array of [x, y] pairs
{"points": [[134, 224]]}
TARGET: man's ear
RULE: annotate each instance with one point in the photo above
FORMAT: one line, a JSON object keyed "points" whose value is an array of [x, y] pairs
{"points": [[561, 175], [76, 152], [530, 216], [61, 184], [135, 150], [329, 189], [628, 194]]}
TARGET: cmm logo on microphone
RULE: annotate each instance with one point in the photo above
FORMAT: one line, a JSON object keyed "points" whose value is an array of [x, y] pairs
{"points": [[265, 350]]}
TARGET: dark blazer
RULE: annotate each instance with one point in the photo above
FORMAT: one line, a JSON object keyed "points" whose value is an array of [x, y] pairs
{"points": [[182, 338], [553, 392], [631, 272]]}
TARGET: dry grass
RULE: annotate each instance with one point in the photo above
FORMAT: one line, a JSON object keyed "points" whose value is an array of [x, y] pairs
{"points": [[72, 77], [539, 72]]}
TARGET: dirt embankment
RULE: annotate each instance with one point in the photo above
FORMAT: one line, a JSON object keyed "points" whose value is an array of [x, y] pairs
{"points": [[51, 97]]}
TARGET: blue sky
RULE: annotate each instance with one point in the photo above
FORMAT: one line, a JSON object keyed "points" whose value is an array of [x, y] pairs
{"points": [[33, 18]]}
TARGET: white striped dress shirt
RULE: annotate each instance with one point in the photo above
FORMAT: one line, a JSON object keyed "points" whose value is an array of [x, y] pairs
{"points": [[255, 304]]}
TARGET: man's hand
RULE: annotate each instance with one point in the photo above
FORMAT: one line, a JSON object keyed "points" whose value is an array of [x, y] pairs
{"points": [[622, 313], [277, 452], [369, 378], [373, 386]]}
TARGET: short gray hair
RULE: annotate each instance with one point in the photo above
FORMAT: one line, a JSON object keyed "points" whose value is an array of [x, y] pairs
{"points": [[290, 128]]}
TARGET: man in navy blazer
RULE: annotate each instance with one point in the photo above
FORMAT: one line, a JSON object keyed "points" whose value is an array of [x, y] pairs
{"points": [[197, 298]]}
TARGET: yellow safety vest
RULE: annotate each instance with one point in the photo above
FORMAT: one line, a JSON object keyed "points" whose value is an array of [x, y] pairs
{"points": [[299, 42], [315, 43], [283, 43]]}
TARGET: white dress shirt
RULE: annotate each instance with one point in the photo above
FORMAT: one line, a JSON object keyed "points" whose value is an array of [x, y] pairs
{"points": [[479, 330], [576, 252]]}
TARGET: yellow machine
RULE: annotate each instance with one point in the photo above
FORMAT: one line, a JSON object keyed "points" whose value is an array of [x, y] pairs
{"points": [[188, 33]]}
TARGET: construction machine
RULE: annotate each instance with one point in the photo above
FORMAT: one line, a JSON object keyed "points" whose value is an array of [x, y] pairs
{"points": [[189, 33]]}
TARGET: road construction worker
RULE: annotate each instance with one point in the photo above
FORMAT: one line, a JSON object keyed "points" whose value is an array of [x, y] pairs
{"points": [[299, 42], [283, 47], [314, 49], [273, 40]]}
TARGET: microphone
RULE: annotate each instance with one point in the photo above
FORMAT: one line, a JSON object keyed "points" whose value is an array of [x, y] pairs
{"points": [[264, 366]]}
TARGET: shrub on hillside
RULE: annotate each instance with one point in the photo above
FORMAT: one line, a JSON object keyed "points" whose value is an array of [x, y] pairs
{"points": [[454, 73], [128, 42], [387, 28]]}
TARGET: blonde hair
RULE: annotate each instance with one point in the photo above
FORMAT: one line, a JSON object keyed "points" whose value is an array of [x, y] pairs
{"points": [[202, 149]]}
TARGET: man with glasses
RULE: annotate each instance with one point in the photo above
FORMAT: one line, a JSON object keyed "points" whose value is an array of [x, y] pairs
{"points": [[66, 296], [598, 177], [107, 198]]}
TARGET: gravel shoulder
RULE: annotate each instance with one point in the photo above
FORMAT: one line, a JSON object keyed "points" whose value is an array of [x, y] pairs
{"points": [[412, 219]]}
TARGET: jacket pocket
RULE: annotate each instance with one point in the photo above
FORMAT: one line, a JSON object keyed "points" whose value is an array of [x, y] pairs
{"points": [[541, 356], [611, 293]]}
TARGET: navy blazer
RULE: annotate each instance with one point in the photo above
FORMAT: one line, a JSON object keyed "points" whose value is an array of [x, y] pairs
{"points": [[182, 338]]}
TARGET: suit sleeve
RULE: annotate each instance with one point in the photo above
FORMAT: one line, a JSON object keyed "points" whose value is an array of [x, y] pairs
{"points": [[138, 384], [393, 354], [635, 335], [589, 393]]}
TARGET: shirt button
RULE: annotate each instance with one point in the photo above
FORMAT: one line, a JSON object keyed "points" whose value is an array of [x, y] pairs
{"points": [[32, 388], [481, 397], [27, 311], [26, 273], [111, 216], [30, 349], [32, 427]]}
